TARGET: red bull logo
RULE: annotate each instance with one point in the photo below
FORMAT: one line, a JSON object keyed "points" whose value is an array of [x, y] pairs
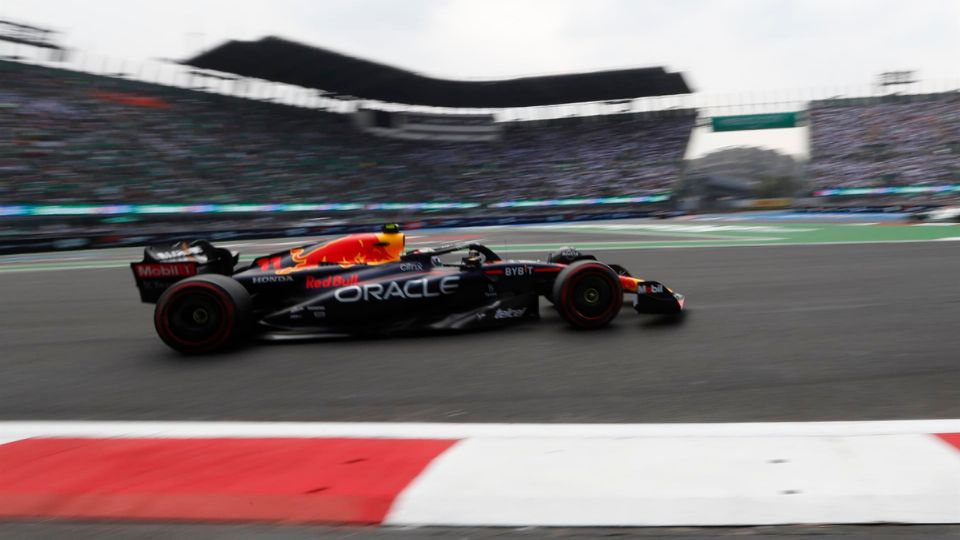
{"points": [[331, 282], [373, 248]]}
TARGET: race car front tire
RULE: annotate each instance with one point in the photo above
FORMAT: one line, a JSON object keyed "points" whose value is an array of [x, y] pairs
{"points": [[203, 314], [588, 294]]}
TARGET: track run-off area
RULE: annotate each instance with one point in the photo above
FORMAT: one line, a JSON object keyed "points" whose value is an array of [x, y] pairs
{"points": [[745, 413], [595, 236], [788, 321]]}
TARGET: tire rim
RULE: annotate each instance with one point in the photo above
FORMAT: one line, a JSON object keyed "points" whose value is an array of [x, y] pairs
{"points": [[592, 295], [200, 316], [195, 317]]}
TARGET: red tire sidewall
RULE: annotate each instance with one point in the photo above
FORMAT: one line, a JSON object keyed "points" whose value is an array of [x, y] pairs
{"points": [[224, 332], [567, 306]]}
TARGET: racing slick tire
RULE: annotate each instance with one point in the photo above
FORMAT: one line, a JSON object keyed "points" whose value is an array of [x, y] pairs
{"points": [[588, 294], [202, 314]]}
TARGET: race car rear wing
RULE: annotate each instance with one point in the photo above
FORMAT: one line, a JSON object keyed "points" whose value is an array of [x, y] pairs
{"points": [[164, 265]]}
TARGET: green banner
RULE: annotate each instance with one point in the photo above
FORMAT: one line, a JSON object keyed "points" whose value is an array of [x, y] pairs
{"points": [[755, 121]]}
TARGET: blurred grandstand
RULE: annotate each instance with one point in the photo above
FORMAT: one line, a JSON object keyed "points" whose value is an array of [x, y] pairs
{"points": [[82, 139], [89, 153], [894, 140], [357, 136]]}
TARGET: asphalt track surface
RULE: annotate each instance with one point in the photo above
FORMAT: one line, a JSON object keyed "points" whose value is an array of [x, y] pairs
{"points": [[774, 333]]}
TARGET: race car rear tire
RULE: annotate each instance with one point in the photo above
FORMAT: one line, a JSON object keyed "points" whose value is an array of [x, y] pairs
{"points": [[202, 314], [588, 294]]}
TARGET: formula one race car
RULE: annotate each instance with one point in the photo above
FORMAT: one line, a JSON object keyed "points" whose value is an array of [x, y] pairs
{"points": [[943, 214], [365, 283]]}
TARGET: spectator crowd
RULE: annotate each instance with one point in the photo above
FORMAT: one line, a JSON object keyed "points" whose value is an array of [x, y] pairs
{"points": [[72, 138], [888, 141]]}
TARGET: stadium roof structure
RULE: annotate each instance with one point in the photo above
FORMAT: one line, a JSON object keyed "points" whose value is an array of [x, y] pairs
{"points": [[28, 35], [289, 62]]}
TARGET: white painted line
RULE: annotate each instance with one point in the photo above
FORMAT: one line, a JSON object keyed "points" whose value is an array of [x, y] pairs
{"points": [[679, 228], [521, 248], [771, 244], [299, 242], [393, 430], [949, 239], [676, 482]]}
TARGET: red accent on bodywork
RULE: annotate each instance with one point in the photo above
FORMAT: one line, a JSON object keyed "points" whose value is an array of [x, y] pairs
{"points": [[294, 480], [331, 282], [494, 272], [629, 283], [266, 262], [366, 248], [355, 248]]}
